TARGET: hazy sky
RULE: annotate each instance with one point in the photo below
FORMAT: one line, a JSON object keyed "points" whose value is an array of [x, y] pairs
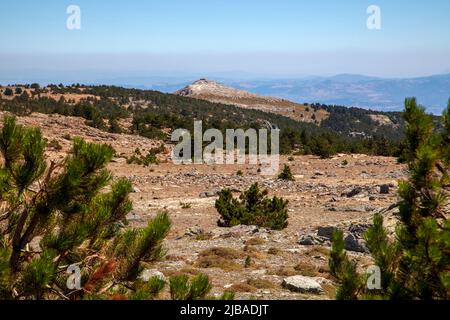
{"points": [[282, 37]]}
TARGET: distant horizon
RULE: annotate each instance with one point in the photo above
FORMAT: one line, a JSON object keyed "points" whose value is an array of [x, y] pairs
{"points": [[98, 78]]}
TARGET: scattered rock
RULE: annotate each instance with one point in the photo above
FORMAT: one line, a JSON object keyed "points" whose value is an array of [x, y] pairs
{"points": [[238, 231], [302, 284], [194, 231], [208, 194], [133, 216], [358, 229], [354, 244], [353, 192], [322, 280], [136, 189], [307, 240], [311, 240], [326, 232], [358, 209], [147, 274], [384, 189]]}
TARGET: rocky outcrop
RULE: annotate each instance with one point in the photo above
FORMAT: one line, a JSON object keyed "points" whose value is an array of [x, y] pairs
{"points": [[353, 237], [302, 284]]}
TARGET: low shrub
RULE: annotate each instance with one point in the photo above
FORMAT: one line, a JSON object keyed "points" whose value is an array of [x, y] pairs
{"points": [[286, 174], [254, 207]]}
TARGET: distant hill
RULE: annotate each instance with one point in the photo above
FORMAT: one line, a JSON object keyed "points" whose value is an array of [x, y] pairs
{"points": [[216, 92]]}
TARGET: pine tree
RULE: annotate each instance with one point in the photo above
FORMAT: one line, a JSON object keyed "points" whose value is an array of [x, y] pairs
{"points": [[62, 205], [414, 265], [253, 207], [286, 174]]}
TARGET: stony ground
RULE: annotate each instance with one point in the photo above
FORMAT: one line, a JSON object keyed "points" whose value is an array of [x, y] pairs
{"points": [[340, 192]]}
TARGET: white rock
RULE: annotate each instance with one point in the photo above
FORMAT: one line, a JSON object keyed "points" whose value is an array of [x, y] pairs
{"points": [[302, 284], [133, 216], [147, 274]]}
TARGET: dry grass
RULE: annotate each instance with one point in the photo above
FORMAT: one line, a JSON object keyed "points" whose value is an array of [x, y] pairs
{"points": [[220, 257], [330, 290], [217, 262], [261, 283], [227, 253], [242, 287], [173, 257], [188, 271], [283, 271], [275, 251], [203, 236], [255, 241], [307, 269], [254, 252], [318, 251]]}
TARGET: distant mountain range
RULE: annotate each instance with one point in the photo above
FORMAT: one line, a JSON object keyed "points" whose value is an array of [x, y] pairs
{"points": [[358, 91], [347, 90]]}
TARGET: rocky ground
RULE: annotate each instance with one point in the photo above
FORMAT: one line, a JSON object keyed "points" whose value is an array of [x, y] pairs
{"points": [[342, 192], [325, 194]]}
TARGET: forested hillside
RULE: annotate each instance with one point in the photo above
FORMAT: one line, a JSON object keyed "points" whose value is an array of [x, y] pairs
{"points": [[154, 114]]}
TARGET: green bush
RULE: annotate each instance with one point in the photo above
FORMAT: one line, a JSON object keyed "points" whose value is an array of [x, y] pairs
{"points": [[183, 289], [286, 174], [147, 290], [150, 158], [8, 92], [254, 207]]}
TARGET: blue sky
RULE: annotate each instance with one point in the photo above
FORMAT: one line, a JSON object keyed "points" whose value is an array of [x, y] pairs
{"points": [[283, 37]]}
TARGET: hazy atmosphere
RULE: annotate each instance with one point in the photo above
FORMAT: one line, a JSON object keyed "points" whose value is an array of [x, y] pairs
{"points": [[262, 38]]}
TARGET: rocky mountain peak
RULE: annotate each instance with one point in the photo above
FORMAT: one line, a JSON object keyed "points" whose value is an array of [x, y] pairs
{"points": [[205, 86]]}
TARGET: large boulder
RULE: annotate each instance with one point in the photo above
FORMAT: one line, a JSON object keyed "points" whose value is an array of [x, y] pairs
{"points": [[311, 240], [353, 243], [326, 232], [302, 284]]}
